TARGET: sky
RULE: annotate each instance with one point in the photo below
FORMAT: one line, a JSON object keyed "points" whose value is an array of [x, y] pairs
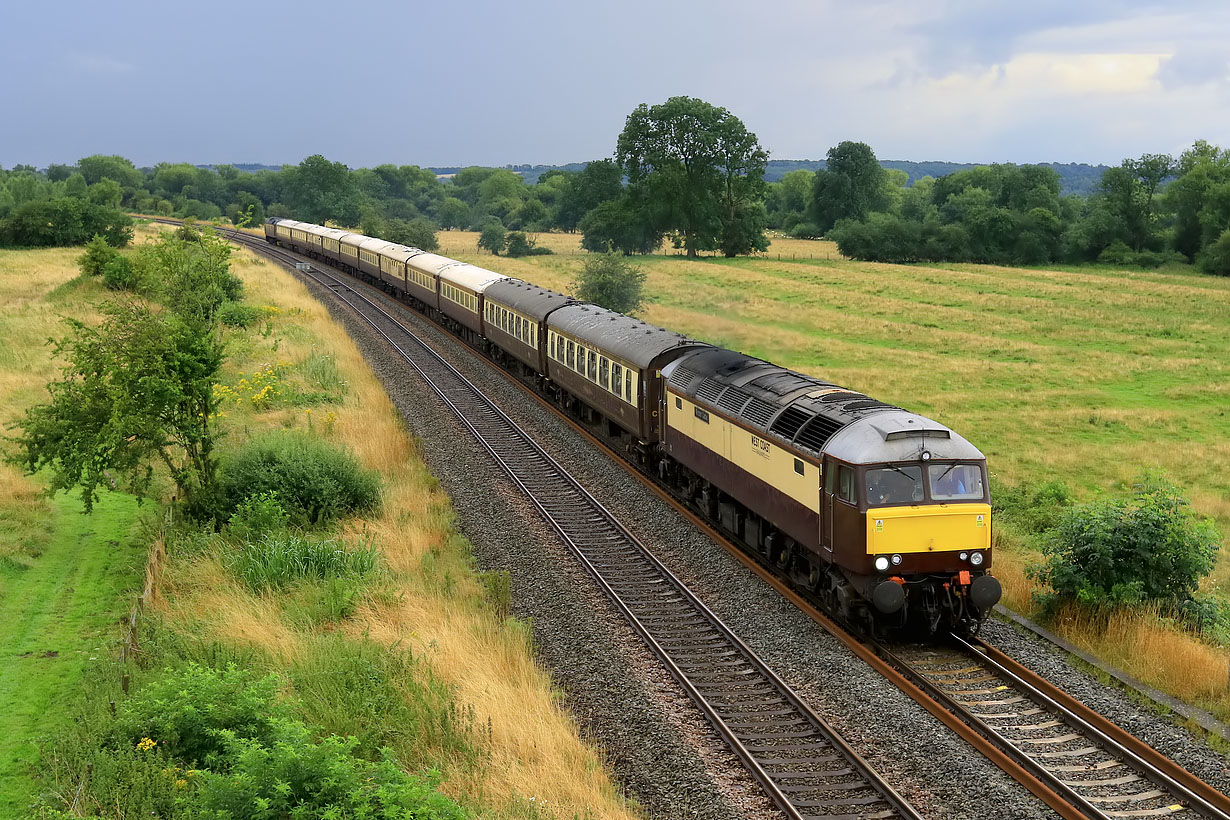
{"points": [[453, 82]]}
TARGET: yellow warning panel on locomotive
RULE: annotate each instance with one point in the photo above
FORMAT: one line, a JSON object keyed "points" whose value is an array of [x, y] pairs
{"points": [[930, 528]]}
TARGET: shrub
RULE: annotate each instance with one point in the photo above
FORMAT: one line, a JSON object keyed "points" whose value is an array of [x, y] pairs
{"points": [[97, 254], [806, 230], [237, 314], [296, 778], [315, 481], [257, 516], [188, 713], [609, 280], [492, 237], [120, 274], [518, 244], [62, 222], [1035, 509], [1216, 257], [1149, 546], [279, 559]]}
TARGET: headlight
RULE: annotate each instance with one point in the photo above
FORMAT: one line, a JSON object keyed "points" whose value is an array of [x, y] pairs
{"points": [[881, 563], [975, 558], [896, 560], [964, 556]]}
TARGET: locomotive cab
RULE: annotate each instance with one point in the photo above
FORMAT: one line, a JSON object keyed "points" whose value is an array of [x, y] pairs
{"points": [[907, 515]]}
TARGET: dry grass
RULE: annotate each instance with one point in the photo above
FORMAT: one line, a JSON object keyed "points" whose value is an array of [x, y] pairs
{"points": [[534, 749]]}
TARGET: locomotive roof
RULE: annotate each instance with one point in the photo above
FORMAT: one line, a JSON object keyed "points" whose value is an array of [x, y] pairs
{"points": [[899, 436], [630, 339], [801, 410], [527, 298]]}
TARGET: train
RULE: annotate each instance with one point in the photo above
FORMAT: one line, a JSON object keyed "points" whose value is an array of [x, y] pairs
{"points": [[880, 514]]}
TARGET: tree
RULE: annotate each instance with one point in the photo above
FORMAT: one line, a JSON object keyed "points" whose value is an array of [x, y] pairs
{"points": [[1216, 258], [851, 187], [453, 213], [598, 182], [136, 390], [317, 190], [692, 168], [788, 198], [1200, 198], [1149, 546], [609, 280], [98, 167], [64, 222], [620, 225], [1129, 191], [417, 233], [493, 237]]}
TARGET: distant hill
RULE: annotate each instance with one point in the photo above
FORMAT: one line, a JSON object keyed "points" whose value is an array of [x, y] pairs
{"points": [[1076, 178]]}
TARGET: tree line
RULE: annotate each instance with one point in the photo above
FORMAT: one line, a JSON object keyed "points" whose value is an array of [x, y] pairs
{"points": [[1143, 212], [689, 173]]}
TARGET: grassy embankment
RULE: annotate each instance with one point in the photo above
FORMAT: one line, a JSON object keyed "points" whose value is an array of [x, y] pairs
{"points": [[1088, 375], [489, 719], [65, 579]]}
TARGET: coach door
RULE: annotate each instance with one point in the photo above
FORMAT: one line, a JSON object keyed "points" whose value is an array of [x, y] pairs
{"points": [[827, 487]]}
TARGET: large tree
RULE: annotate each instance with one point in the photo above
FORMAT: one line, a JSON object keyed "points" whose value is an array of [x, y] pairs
{"points": [[317, 190], [851, 186], [694, 168]]}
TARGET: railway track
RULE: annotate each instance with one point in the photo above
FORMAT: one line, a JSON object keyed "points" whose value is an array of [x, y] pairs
{"points": [[1099, 769], [1078, 762], [807, 770]]}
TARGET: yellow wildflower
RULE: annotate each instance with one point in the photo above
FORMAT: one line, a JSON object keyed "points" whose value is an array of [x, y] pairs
{"points": [[145, 744]]}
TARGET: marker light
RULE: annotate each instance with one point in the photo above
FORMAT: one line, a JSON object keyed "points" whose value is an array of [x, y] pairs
{"points": [[896, 560], [882, 563], [926, 455], [976, 559]]}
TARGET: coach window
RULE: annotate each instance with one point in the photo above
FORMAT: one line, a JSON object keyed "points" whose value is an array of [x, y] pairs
{"points": [[572, 355], [617, 379], [591, 361], [630, 389], [604, 373]]}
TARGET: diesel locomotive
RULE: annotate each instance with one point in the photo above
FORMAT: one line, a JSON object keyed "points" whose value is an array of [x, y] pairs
{"points": [[883, 514]]}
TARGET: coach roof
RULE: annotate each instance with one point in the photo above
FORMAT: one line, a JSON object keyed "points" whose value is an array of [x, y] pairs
{"points": [[630, 339]]}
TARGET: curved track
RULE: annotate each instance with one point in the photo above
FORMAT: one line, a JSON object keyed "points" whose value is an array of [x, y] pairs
{"points": [[805, 768], [1078, 762]]}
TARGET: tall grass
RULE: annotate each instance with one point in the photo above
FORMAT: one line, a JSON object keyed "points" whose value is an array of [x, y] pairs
{"points": [[279, 559]]}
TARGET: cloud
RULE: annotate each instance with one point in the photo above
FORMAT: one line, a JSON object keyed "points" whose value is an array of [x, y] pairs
{"points": [[102, 64]]}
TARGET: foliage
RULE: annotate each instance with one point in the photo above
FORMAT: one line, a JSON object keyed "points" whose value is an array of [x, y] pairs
{"points": [[609, 280], [493, 237], [518, 244], [621, 226], [1216, 259], [197, 275], [98, 252], [1149, 546], [315, 481], [257, 516], [279, 558], [851, 187], [64, 221], [237, 314], [192, 713], [120, 274], [297, 779], [135, 390], [695, 168], [1036, 509]]}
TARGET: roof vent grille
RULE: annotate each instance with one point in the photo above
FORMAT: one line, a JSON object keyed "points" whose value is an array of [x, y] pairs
{"points": [[789, 422], [759, 412], [817, 432], [733, 400], [709, 390]]}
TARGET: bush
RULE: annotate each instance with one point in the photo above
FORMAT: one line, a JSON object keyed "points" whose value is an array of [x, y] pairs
{"points": [[609, 280], [120, 274], [279, 559], [258, 516], [295, 778], [63, 222], [237, 314], [1216, 257], [1149, 546], [805, 230], [315, 482], [97, 254], [1035, 509], [492, 237], [518, 244], [189, 713]]}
